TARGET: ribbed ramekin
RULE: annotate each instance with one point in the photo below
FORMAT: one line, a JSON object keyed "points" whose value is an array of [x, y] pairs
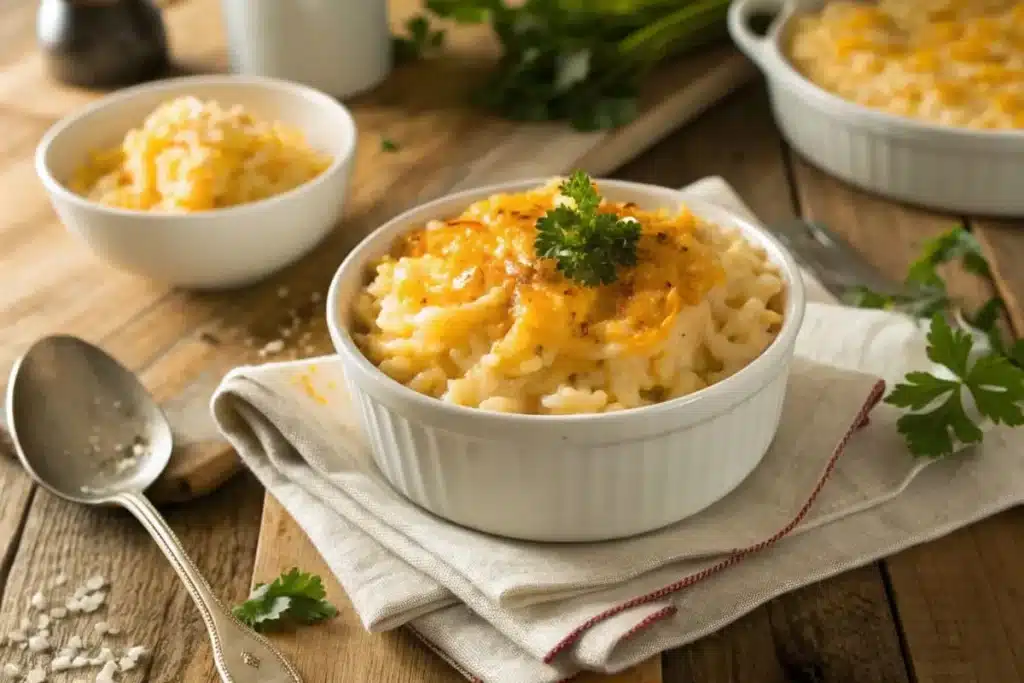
{"points": [[939, 167], [575, 477]]}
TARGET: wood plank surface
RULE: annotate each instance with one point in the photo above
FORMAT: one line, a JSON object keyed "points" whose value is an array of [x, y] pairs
{"points": [[145, 598]]}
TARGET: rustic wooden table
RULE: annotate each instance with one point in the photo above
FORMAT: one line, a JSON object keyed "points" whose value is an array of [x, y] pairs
{"points": [[951, 610]]}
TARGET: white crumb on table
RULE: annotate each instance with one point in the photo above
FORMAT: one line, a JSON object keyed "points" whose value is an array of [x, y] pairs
{"points": [[106, 674]]}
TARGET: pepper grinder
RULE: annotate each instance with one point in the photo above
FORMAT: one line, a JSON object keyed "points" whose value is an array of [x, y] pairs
{"points": [[102, 43]]}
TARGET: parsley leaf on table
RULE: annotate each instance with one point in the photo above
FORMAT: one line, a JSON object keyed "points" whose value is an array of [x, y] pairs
{"points": [[587, 246], [992, 381], [388, 145], [293, 597]]}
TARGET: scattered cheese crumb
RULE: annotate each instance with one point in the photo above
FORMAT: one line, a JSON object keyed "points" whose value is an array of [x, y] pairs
{"points": [[282, 292], [25, 624], [36, 675], [100, 627], [137, 652], [106, 674], [75, 642], [93, 601], [95, 583], [58, 612], [38, 601], [11, 669], [44, 621], [17, 637], [39, 643], [126, 664], [60, 580], [60, 664], [113, 629], [79, 661], [276, 346], [106, 655]]}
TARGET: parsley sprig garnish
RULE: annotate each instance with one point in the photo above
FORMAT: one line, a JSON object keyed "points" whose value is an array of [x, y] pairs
{"points": [[294, 597], [587, 246], [992, 382], [995, 385]]}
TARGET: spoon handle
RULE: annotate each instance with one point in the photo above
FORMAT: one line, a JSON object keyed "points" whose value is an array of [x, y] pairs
{"points": [[240, 654]]}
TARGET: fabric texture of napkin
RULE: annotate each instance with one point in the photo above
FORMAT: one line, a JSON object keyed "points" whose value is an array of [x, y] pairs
{"points": [[834, 492]]}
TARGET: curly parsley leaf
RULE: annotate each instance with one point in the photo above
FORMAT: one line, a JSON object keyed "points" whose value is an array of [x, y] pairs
{"points": [[293, 597], [937, 414], [587, 246]]}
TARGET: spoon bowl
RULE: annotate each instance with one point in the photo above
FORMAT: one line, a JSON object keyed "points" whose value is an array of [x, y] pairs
{"points": [[86, 429], [85, 426]]}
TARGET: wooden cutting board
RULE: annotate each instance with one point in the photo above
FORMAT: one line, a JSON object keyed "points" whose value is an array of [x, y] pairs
{"points": [[182, 343]]}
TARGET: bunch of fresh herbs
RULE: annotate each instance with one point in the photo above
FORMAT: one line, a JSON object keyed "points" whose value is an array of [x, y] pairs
{"points": [[580, 61]]}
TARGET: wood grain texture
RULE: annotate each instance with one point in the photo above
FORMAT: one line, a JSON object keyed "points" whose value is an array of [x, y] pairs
{"points": [[145, 597], [957, 598], [1003, 245]]}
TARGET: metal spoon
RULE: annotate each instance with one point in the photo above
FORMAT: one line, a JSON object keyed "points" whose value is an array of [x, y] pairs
{"points": [[86, 429]]}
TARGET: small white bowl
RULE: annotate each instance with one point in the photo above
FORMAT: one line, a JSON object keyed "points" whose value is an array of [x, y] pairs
{"points": [[216, 249], [574, 477]]}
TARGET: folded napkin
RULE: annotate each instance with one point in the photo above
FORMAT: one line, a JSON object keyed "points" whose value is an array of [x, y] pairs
{"points": [[835, 491]]}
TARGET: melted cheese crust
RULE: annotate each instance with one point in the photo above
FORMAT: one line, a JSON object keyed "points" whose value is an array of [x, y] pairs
{"points": [[463, 310]]}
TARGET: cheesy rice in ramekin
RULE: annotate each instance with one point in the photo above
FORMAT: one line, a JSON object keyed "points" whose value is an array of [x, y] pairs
{"points": [[465, 311], [662, 407]]}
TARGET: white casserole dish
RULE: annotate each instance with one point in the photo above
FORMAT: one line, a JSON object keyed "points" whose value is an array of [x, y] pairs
{"points": [[939, 167], [576, 477]]}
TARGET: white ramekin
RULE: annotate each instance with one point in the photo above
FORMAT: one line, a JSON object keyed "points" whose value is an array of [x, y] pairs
{"points": [[217, 249], [566, 478], [939, 167]]}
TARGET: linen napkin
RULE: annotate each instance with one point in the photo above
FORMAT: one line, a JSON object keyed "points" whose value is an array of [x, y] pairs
{"points": [[831, 494]]}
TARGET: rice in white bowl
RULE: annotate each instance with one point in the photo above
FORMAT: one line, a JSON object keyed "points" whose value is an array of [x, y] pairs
{"points": [[464, 311]]}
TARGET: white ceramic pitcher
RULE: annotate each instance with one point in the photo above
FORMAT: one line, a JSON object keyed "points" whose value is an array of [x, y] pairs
{"points": [[341, 47]]}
